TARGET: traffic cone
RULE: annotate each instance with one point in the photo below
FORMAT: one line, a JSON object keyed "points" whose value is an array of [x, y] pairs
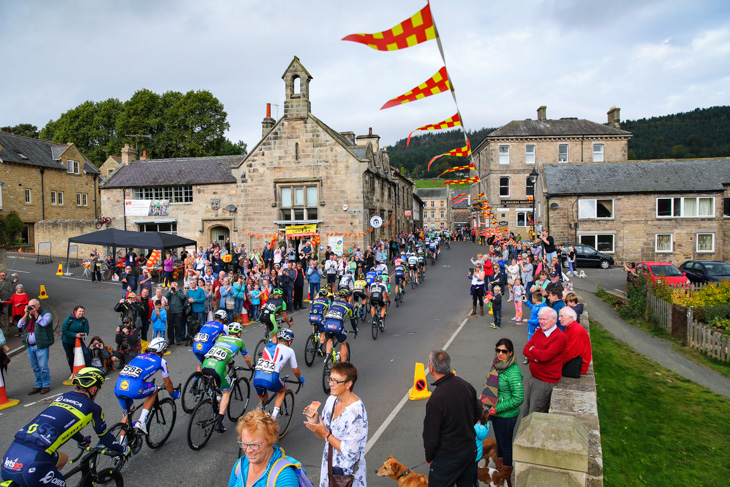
{"points": [[244, 317], [60, 270], [43, 295], [4, 401], [79, 362], [420, 386]]}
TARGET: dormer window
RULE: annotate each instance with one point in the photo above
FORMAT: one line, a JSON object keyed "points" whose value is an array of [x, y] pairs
{"points": [[73, 167]]}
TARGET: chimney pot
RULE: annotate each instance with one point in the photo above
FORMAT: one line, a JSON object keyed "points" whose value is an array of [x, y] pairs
{"points": [[614, 117], [542, 113], [268, 110], [370, 131]]}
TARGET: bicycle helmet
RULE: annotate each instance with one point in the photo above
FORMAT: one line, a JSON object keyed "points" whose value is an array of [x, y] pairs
{"points": [[324, 293], [344, 293], [157, 345], [221, 315], [88, 377], [235, 327], [287, 335], [278, 292], [384, 278]]}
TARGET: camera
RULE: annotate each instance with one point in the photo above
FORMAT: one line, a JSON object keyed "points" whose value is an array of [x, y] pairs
{"points": [[30, 307]]}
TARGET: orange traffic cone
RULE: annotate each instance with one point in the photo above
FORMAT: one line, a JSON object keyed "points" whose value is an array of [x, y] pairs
{"points": [[244, 317], [79, 362], [4, 401], [44, 294]]}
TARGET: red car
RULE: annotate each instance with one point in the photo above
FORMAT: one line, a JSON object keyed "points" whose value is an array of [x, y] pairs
{"points": [[662, 272]]}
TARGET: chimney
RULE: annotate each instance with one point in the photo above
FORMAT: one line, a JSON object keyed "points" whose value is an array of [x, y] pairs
{"points": [[129, 154], [362, 140], [144, 156], [542, 113], [349, 136], [614, 117], [268, 122]]}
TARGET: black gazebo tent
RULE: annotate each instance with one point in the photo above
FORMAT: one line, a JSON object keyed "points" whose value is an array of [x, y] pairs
{"points": [[111, 237]]}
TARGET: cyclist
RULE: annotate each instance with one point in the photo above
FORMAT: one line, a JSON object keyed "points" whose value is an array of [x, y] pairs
{"points": [[371, 276], [334, 322], [208, 334], [413, 264], [432, 249], [33, 458], [320, 305], [346, 282], [274, 305], [132, 382], [217, 364], [378, 296], [422, 261], [400, 276], [266, 378]]}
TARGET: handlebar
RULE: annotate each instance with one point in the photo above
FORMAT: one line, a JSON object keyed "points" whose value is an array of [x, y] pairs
{"points": [[299, 386]]}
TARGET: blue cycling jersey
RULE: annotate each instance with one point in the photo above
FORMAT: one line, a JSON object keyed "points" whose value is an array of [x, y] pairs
{"points": [[206, 337], [132, 381]]}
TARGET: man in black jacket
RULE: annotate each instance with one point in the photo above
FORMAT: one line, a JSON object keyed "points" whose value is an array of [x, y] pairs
{"points": [[448, 428]]}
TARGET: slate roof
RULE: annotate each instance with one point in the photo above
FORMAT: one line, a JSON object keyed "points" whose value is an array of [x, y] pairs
{"points": [[174, 172], [461, 205], [660, 176], [425, 193], [562, 127], [38, 153]]}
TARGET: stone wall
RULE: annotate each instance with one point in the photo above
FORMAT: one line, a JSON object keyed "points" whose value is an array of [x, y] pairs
{"points": [[58, 232]]}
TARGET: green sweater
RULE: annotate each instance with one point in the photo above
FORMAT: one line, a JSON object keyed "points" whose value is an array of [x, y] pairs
{"points": [[72, 326], [511, 394], [43, 334]]}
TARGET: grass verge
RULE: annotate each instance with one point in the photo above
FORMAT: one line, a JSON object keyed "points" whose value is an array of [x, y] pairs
{"points": [[657, 428], [428, 183]]}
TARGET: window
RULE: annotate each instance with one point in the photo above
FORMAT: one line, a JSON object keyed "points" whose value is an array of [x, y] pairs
{"points": [[73, 167], [530, 186], [705, 242], [529, 154], [60, 197], [28, 197], [442, 214], [685, 207], [54, 198], [504, 186], [443, 203], [595, 209], [601, 242], [82, 199], [563, 153], [175, 194], [504, 154], [726, 208], [523, 218], [167, 227], [663, 242], [597, 152], [85, 199], [299, 202], [432, 203]]}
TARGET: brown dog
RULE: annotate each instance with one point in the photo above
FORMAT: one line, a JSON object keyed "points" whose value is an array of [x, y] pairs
{"points": [[403, 475], [493, 477], [489, 450]]}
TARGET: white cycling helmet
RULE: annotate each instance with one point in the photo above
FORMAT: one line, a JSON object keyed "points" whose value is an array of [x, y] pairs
{"points": [[235, 327], [157, 345], [221, 315]]}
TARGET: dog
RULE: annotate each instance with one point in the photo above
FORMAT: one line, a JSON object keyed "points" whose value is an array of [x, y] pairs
{"points": [[489, 450], [582, 274], [494, 477], [403, 475], [193, 327], [237, 318]]}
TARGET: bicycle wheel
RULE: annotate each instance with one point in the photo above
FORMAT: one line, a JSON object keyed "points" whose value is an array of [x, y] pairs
{"points": [[326, 374], [310, 350], [201, 424], [160, 422], [110, 478], [349, 353], [106, 463], [413, 282], [192, 392], [240, 395], [285, 413], [397, 299], [259, 351], [374, 326]]}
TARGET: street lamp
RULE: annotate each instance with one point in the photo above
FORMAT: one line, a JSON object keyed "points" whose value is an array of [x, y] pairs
{"points": [[533, 176]]}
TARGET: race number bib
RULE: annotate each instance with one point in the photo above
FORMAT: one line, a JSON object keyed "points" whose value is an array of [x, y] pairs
{"points": [[201, 337], [270, 307], [266, 366], [131, 371], [333, 315], [217, 354]]}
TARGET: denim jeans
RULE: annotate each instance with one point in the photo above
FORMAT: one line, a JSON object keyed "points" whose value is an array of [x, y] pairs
{"points": [[239, 306], [39, 363], [254, 312], [503, 431], [314, 288]]}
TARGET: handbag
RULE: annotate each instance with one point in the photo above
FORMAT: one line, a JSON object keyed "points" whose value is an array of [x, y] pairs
{"points": [[572, 367], [338, 480], [230, 303]]}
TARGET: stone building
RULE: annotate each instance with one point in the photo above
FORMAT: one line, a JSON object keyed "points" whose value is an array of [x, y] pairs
{"points": [[664, 210], [110, 165], [461, 210], [43, 180], [437, 212], [506, 158]]}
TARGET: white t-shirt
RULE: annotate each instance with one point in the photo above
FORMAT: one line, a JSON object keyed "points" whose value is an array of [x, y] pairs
{"points": [[282, 355]]}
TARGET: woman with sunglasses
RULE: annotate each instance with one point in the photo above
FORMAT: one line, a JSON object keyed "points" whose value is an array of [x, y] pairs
{"points": [[510, 396]]}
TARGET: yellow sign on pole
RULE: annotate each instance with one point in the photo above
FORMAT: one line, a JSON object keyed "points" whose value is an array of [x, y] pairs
{"points": [[301, 230]]}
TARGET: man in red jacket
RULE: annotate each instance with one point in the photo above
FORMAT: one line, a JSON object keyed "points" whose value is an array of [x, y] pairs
{"points": [[545, 351], [578, 341]]}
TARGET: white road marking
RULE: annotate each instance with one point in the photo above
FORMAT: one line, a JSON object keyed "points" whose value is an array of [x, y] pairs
{"points": [[75, 279], [373, 439], [22, 272]]}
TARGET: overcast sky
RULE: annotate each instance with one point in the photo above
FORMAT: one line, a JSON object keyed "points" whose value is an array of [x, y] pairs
{"points": [[505, 58]]}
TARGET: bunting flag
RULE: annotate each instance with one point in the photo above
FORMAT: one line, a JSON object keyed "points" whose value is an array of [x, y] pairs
{"points": [[445, 124], [438, 83], [461, 181], [460, 195], [417, 29], [273, 240], [456, 168], [461, 152]]}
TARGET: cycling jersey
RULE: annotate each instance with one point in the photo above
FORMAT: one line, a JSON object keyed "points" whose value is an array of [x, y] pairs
{"points": [[421, 259], [412, 260], [132, 381], [206, 337], [400, 273], [370, 277], [269, 310], [272, 360], [219, 356], [316, 315], [377, 292], [335, 318], [346, 282], [382, 269], [360, 284]]}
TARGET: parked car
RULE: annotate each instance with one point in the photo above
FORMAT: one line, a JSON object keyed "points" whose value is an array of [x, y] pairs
{"points": [[702, 271], [586, 256], [662, 272]]}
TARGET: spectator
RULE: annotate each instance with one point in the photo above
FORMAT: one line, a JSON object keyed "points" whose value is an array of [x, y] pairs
{"points": [[228, 300], [548, 243], [513, 272], [111, 267], [18, 302], [518, 293], [168, 266], [277, 256], [196, 297], [129, 281], [477, 289], [630, 270], [314, 276], [217, 263], [6, 294], [159, 320], [526, 270], [533, 322], [481, 428], [299, 286], [497, 307], [127, 338], [74, 326], [555, 301], [572, 300], [37, 326], [99, 355], [306, 252], [145, 314], [578, 353], [540, 285], [545, 351], [330, 268], [95, 264], [210, 306], [290, 275], [239, 294], [159, 297], [145, 281], [176, 301], [571, 260], [130, 260], [344, 428], [129, 307], [448, 427], [268, 256]]}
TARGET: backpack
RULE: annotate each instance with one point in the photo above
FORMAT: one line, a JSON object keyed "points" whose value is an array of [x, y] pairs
{"points": [[278, 467]]}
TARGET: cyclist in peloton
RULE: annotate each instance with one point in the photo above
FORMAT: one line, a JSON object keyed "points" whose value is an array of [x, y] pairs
{"points": [[208, 334], [334, 322], [320, 305], [273, 306], [400, 275], [266, 378], [132, 382], [371, 276], [217, 364], [413, 264], [378, 296], [33, 458]]}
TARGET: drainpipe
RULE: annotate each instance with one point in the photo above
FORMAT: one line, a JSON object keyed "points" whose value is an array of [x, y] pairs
{"points": [[43, 197], [124, 215], [96, 191]]}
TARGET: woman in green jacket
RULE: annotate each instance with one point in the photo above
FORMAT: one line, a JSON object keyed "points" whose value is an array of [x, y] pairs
{"points": [[509, 398], [75, 326]]}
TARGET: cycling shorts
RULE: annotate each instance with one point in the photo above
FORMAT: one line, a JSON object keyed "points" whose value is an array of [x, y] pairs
{"points": [[377, 300], [128, 390], [318, 321], [201, 348], [400, 278], [30, 467], [267, 382], [358, 294], [269, 320], [336, 329], [220, 375]]}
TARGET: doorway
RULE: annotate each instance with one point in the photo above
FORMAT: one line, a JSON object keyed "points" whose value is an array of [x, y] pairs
{"points": [[219, 235]]}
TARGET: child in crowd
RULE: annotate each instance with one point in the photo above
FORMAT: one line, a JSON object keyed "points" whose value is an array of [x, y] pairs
{"points": [[159, 318], [497, 307], [534, 320], [255, 301], [518, 292], [482, 430], [572, 300]]}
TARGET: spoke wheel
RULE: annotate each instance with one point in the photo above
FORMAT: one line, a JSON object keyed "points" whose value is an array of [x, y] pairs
{"points": [[326, 374], [285, 413], [201, 424], [259, 351], [160, 423], [374, 327], [240, 396], [310, 350], [106, 463], [192, 392], [112, 478]]}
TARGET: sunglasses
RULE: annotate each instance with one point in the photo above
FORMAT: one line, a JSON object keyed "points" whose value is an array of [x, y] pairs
{"points": [[501, 350]]}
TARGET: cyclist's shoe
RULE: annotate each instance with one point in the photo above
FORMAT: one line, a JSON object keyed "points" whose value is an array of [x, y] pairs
{"points": [[139, 425], [260, 406], [219, 428], [381, 324]]}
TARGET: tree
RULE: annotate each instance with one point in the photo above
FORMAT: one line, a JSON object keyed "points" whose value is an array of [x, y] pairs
{"points": [[231, 149], [23, 129], [10, 226]]}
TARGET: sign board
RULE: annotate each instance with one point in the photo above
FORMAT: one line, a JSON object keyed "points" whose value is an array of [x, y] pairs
{"points": [[146, 207], [301, 230], [503, 224], [517, 202], [376, 222], [408, 213], [335, 244]]}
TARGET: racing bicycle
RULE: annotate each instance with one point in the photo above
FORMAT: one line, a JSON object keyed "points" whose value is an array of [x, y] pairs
{"points": [[311, 347], [378, 323], [259, 350], [332, 358]]}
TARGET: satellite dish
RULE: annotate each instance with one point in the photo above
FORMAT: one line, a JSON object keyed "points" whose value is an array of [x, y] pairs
{"points": [[231, 208], [344, 207], [554, 206]]}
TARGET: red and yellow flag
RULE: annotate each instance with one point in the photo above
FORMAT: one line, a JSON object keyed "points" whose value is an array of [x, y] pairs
{"points": [[456, 168], [438, 83], [461, 152], [460, 195], [417, 29], [444, 124], [461, 181]]}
